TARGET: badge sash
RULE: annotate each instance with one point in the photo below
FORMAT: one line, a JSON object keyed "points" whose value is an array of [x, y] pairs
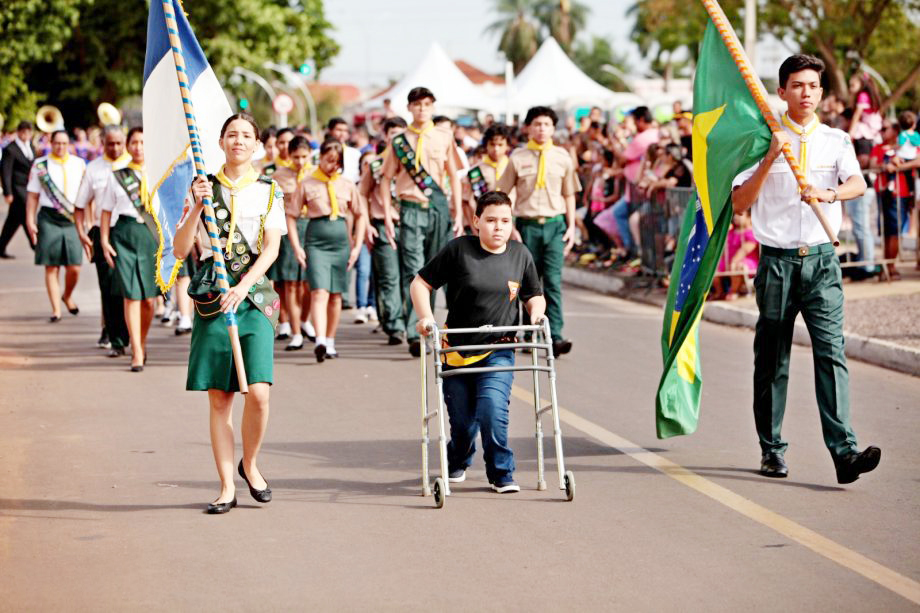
{"points": [[477, 182], [132, 186], [58, 200], [422, 179]]}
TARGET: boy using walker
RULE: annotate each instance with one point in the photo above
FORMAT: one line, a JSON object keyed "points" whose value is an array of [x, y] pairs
{"points": [[484, 275]]}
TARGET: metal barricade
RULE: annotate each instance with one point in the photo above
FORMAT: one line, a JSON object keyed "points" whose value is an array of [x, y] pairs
{"points": [[660, 218]]}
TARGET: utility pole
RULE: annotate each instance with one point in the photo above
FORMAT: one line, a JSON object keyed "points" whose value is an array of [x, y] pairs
{"points": [[750, 30]]}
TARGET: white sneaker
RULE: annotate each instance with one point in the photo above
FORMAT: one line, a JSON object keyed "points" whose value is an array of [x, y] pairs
{"points": [[361, 315], [371, 314], [457, 476], [506, 487]]}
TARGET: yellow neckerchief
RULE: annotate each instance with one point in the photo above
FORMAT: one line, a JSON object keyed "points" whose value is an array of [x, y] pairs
{"points": [[279, 163], [248, 178], [145, 197], [425, 129], [541, 169], [63, 162], [124, 157], [330, 186], [803, 133], [499, 166]]}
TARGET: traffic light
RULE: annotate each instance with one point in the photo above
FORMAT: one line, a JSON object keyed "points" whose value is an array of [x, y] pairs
{"points": [[244, 103], [308, 68]]}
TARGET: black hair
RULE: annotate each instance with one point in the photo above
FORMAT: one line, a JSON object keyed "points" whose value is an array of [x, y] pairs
{"points": [[330, 126], [441, 119], [56, 132], [24, 125], [267, 133], [496, 130], [907, 120], [284, 131], [797, 63], [298, 142], [133, 131], [540, 111], [331, 144], [609, 157], [595, 125], [420, 93], [643, 113], [245, 117], [394, 122], [491, 199]]}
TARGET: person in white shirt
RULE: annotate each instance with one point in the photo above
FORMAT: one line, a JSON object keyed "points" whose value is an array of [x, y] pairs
{"points": [[799, 271], [87, 212], [53, 184]]}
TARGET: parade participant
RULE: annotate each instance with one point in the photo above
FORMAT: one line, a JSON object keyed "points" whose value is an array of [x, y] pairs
{"points": [[484, 176], [290, 278], [384, 256], [421, 159], [544, 176], [184, 304], [250, 218], [283, 138], [337, 128], [799, 271], [14, 170], [88, 211], [329, 198], [53, 185], [129, 238], [269, 146], [484, 277]]}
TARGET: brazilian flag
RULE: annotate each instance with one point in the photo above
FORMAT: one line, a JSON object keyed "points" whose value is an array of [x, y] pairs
{"points": [[729, 136]]}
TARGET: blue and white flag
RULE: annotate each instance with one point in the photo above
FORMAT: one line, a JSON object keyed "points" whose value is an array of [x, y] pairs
{"points": [[167, 146]]}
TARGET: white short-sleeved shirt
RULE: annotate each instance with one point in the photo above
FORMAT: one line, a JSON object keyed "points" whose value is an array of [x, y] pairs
{"points": [[94, 182], [351, 163], [115, 200], [780, 217], [72, 170], [251, 203]]}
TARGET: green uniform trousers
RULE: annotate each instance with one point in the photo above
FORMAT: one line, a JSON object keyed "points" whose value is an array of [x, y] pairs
{"points": [[547, 248], [788, 284], [423, 233], [113, 307], [385, 267]]}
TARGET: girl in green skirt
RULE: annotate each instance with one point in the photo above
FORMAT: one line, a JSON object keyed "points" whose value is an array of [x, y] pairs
{"points": [[334, 236], [249, 214], [129, 244]]}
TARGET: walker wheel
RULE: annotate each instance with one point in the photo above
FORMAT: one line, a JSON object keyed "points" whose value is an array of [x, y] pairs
{"points": [[569, 480], [438, 491]]}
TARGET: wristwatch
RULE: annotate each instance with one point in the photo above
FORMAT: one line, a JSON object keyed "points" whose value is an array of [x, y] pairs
{"points": [[835, 194]]}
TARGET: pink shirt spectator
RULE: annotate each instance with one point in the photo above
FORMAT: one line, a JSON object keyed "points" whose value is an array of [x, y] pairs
{"points": [[635, 151], [733, 244], [869, 126]]}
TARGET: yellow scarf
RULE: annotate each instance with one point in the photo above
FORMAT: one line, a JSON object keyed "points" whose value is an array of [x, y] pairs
{"points": [[279, 163], [499, 166], [145, 196], [541, 169], [330, 186], [63, 162], [425, 129], [250, 177], [124, 157], [803, 134]]}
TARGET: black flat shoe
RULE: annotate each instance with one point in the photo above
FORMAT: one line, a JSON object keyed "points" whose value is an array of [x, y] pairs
{"points": [[561, 347], [320, 352], [263, 496], [773, 465], [54, 319], [7, 256], [117, 352], [181, 331], [74, 311], [849, 467], [415, 348], [217, 508], [137, 368]]}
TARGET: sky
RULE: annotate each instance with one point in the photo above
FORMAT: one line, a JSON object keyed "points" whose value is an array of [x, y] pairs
{"points": [[382, 39]]}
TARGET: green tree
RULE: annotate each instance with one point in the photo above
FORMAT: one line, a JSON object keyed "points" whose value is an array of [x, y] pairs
{"points": [[519, 31], [596, 60], [562, 19]]}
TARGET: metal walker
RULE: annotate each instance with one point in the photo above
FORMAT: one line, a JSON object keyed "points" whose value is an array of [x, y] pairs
{"points": [[540, 342]]}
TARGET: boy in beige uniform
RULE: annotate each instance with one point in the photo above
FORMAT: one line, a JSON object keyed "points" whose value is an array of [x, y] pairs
{"points": [[419, 160], [544, 177], [484, 176]]}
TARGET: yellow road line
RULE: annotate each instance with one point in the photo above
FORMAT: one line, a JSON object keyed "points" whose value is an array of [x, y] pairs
{"points": [[835, 552]]}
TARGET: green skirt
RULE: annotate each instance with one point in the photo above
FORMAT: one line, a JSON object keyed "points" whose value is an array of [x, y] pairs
{"points": [[327, 254], [189, 266], [210, 362], [58, 243], [135, 264], [286, 267]]}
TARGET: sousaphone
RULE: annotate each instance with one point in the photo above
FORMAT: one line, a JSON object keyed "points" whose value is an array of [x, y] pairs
{"points": [[108, 114], [49, 119]]}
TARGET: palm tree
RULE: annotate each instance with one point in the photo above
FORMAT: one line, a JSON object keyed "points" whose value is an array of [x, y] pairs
{"points": [[520, 33], [563, 19]]}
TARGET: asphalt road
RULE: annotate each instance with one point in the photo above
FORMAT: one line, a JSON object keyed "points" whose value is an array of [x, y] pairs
{"points": [[104, 475]]}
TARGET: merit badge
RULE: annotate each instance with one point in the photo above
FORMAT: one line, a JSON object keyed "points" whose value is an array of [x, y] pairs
{"points": [[245, 259], [259, 298], [240, 249], [235, 266], [221, 213]]}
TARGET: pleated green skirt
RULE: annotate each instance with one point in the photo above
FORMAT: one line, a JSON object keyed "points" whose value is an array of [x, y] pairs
{"points": [[286, 268], [58, 243], [135, 264], [210, 361], [327, 255]]}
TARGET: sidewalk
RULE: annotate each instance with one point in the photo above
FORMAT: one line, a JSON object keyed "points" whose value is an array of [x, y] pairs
{"points": [[881, 324]]}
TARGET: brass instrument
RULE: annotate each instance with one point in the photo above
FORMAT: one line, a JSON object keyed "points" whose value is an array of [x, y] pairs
{"points": [[49, 118], [108, 114]]}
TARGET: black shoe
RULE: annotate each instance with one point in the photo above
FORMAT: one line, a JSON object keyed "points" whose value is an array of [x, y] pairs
{"points": [[103, 342], [282, 337], [137, 368], [561, 347], [181, 331], [849, 467], [54, 319], [309, 337], [394, 339], [320, 352], [7, 256], [773, 465], [262, 496], [116, 352], [74, 311], [221, 507], [415, 348]]}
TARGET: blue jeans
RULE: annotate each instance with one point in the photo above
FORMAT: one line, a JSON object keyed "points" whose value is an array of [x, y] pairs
{"points": [[858, 211], [621, 214], [364, 289], [479, 403]]}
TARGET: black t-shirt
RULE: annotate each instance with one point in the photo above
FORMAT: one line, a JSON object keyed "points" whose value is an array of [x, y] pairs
{"points": [[482, 287]]}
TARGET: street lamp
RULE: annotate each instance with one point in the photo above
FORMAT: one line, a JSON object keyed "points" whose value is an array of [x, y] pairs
{"points": [[256, 78], [291, 78]]}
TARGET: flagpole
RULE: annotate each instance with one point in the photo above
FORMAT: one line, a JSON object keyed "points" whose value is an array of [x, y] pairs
{"points": [[172, 28], [759, 93]]}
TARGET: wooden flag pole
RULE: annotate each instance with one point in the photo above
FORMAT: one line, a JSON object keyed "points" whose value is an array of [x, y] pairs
{"points": [[220, 267], [759, 92]]}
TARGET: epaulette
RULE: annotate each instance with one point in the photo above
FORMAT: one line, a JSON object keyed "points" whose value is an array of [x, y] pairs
{"points": [[265, 179]]}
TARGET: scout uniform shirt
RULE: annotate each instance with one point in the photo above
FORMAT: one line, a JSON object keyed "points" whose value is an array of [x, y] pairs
{"points": [[367, 188], [437, 144], [540, 202], [66, 174], [94, 183], [289, 180], [115, 200], [491, 173], [314, 194], [781, 218]]}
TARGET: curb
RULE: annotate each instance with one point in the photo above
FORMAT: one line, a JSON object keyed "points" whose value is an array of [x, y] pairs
{"points": [[871, 350]]}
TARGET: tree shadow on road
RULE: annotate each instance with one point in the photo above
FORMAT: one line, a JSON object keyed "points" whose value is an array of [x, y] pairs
{"points": [[27, 504]]}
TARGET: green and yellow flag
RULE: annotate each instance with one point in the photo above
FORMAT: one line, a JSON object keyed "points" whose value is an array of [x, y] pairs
{"points": [[729, 135]]}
